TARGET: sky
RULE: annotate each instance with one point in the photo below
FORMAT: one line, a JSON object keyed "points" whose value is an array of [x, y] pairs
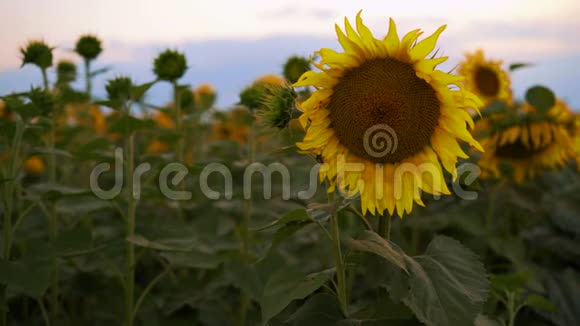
{"points": [[544, 32]]}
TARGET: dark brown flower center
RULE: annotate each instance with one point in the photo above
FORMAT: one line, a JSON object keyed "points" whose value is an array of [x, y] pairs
{"points": [[487, 81], [383, 112], [517, 150]]}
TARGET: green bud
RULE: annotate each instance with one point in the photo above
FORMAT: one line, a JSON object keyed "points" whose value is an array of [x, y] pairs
{"points": [[66, 72], [170, 65], [38, 54], [253, 96], [119, 90], [295, 67], [279, 107], [89, 47]]}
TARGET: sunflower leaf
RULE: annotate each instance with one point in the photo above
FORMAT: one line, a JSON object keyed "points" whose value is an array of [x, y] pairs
{"points": [[448, 284]]}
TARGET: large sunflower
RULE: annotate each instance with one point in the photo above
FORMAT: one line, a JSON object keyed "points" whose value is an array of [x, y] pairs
{"points": [[485, 78], [381, 103], [529, 147]]}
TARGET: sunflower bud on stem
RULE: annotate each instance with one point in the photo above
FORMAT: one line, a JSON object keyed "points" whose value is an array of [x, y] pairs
{"points": [[89, 47], [279, 107], [295, 67], [119, 91], [66, 72], [170, 65], [38, 54]]}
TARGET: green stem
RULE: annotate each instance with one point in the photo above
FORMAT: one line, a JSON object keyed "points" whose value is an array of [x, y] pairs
{"points": [[511, 310], [130, 267], [88, 81], [340, 267], [245, 227], [179, 144], [178, 123], [385, 226], [53, 218], [8, 207]]}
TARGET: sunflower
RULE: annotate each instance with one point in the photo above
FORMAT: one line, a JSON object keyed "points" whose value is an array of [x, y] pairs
{"points": [[382, 104], [34, 165], [529, 147], [485, 78], [163, 120], [204, 96]]}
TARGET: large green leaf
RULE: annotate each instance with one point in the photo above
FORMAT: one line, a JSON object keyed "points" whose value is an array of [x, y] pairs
{"points": [[322, 309], [448, 284], [373, 243], [541, 98], [30, 274], [286, 285]]}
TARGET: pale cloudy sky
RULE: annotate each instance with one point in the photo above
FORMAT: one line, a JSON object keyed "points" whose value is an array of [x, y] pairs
{"points": [[530, 27], [515, 30]]}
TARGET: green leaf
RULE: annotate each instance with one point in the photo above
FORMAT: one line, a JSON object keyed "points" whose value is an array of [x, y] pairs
{"points": [[74, 241], [296, 216], [286, 285], [519, 65], [137, 92], [448, 284], [79, 205], [540, 97], [164, 244], [563, 289], [31, 274], [127, 124], [193, 259], [56, 152], [539, 302], [100, 71], [322, 309], [374, 243], [510, 282], [483, 320]]}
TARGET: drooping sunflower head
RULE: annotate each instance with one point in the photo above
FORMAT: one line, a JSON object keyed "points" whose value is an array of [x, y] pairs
{"points": [[486, 78], [204, 96], [382, 103], [532, 143]]}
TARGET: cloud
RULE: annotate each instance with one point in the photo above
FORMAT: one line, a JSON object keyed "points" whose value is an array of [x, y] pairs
{"points": [[295, 11]]}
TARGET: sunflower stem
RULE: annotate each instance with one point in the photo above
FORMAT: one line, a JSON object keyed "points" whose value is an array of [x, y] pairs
{"points": [[8, 200], [340, 267], [385, 227], [88, 81], [245, 227], [179, 145], [53, 218], [130, 267]]}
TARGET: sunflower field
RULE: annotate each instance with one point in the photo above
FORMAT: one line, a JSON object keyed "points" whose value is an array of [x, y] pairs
{"points": [[357, 187]]}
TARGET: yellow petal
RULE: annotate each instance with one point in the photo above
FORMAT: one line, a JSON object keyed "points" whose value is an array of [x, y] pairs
{"points": [[426, 46], [391, 41], [316, 79]]}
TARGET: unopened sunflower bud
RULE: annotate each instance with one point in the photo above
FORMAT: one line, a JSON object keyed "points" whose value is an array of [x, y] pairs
{"points": [[66, 72], [89, 47], [295, 67], [205, 96], [38, 54], [279, 107], [119, 90], [254, 96], [170, 65]]}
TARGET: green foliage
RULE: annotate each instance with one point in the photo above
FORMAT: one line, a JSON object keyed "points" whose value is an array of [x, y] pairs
{"points": [[170, 65], [119, 91]]}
